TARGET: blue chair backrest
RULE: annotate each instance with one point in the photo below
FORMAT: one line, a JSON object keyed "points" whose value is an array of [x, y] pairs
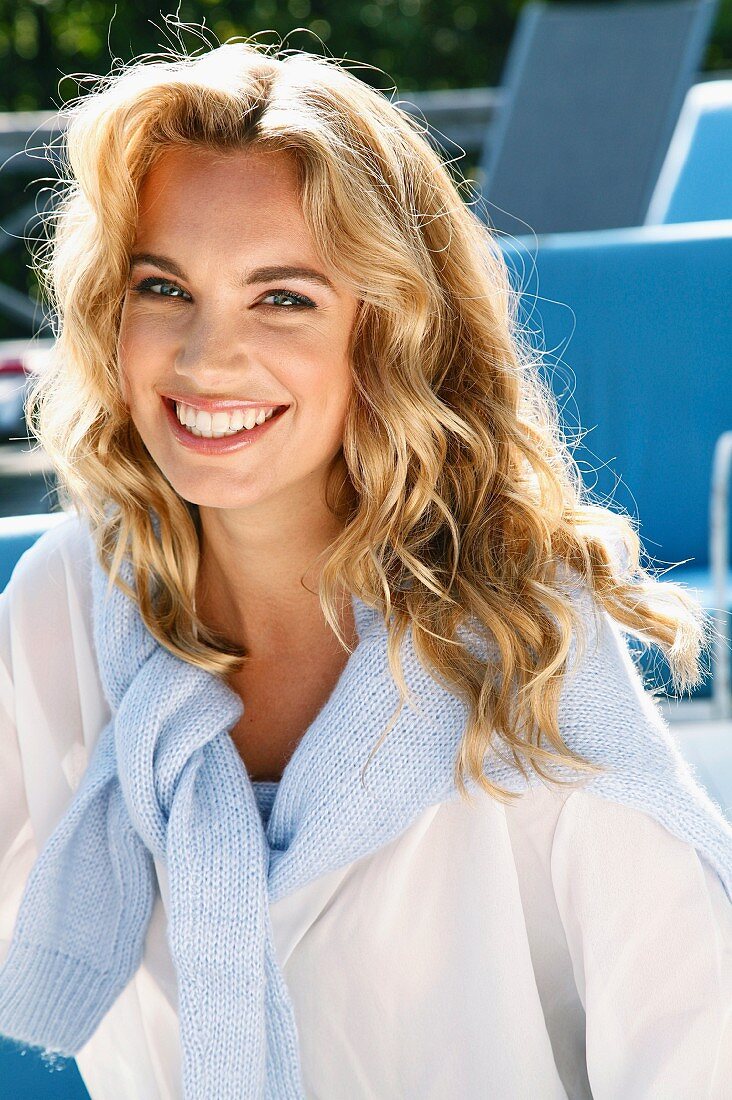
{"points": [[590, 99], [636, 331], [695, 183]]}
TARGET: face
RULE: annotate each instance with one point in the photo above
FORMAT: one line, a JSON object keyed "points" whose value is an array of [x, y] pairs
{"points": [[203, 322]]}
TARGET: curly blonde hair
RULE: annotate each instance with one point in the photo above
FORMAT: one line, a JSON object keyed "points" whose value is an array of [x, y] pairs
{"points": [[463, 506]]}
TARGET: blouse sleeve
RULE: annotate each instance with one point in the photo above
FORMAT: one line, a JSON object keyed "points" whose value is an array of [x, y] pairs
{"points": [[17, 841], [649, 930], [41, 749]]}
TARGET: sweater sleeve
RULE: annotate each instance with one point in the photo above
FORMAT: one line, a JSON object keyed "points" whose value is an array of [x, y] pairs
{"points": [[649, 930], [17, 842]]}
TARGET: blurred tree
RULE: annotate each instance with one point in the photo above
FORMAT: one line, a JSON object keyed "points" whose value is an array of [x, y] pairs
{"points": [[420, 44]]}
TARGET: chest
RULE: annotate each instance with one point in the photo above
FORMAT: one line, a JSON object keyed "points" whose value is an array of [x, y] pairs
{"points": [[281, 701]]}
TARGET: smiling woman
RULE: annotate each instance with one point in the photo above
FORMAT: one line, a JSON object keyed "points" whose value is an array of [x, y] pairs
{"points": [[312, 888]]}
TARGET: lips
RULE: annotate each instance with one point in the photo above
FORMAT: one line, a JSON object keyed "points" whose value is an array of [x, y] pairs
{"points": [[222, 444]]}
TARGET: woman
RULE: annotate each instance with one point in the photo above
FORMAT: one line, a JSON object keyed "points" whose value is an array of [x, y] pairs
{"points": [[316, 476]]}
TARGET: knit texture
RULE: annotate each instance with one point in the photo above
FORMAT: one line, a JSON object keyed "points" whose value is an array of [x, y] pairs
{"points": [[265, 792], [165, 780]]}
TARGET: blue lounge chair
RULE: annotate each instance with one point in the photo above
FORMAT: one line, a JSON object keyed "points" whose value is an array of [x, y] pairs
{"points": [[636, 328], [590, 98], [695, 182]]}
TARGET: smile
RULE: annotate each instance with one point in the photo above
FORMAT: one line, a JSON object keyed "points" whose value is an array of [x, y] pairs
{"points": [[222, 431]]}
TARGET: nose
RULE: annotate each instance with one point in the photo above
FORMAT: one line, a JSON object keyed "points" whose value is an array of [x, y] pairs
{"points": [[213, 354]]}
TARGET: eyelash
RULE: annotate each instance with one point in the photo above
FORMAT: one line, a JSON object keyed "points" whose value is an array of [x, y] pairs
{"points": [[301, 302]]}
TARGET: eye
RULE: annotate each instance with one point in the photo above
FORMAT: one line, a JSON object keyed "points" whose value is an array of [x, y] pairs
{"points": [[146, 285], [298, 301]]}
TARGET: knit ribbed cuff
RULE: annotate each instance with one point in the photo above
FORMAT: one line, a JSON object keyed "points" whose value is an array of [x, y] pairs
{"points": [[52, 1000]]}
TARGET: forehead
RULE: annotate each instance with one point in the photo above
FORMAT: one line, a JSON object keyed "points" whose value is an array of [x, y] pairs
{"points": [[229, 201], [194, 165]]}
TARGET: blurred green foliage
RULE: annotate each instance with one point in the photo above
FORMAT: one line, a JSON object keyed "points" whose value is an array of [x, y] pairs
{"points": [[420, 44], [46, 46]]}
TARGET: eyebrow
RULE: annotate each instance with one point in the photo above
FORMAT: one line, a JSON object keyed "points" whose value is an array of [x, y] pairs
{"points": [[258, 275]]}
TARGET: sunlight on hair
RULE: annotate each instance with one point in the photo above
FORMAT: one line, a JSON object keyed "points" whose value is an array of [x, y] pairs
{"points": [[464, 510]]}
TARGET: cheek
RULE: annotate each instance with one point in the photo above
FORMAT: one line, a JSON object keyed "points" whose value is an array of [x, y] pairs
{"points": [[125, 357], [122, 380], [137, 356], [336, 404], [128, 373]]}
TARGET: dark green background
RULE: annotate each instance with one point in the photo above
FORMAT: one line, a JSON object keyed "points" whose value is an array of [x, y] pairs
{"points": [[422, 44]]}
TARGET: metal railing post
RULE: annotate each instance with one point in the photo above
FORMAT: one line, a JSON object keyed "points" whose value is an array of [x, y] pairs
{"points": [[719, 560]]}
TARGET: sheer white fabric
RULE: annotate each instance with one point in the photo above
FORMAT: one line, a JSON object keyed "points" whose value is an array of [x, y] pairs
{"points": [[563, 946]]}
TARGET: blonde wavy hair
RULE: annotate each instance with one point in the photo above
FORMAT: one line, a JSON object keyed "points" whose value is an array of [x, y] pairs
{"points": [[462, 505]]}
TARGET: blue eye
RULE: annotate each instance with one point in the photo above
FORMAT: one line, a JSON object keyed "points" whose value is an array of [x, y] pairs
{"points": [[299, 300], [146, 285]]}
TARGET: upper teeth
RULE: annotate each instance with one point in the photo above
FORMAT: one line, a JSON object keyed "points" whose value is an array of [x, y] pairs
{"points": [[221, 423]]}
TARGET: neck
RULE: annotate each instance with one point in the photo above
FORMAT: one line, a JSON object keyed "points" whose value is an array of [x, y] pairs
{"points": [[268, 602]]}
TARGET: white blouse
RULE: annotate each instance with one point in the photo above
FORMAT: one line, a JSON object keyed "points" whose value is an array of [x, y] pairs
{"points": [[562, 946]]}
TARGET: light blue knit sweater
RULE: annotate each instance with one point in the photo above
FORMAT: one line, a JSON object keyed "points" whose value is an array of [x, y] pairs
{"points": [[166, 780]]}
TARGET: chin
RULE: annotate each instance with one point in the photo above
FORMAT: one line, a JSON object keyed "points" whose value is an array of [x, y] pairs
{"points": [[213, 496], [204, 499]]}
